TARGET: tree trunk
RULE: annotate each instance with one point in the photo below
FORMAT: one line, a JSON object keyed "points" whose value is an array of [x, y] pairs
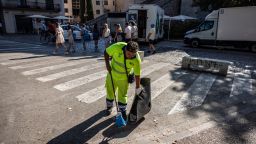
{"points": [[82, 11], [89, 10]]}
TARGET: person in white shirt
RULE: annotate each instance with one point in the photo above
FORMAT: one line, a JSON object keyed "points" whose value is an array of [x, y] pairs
{"points": [[128, 32], [106, 35], [151, 39], [71, 40], [59, 38], [134, 31]]}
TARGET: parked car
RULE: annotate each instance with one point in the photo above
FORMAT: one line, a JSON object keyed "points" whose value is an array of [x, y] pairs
{"points": [[76, 32]]}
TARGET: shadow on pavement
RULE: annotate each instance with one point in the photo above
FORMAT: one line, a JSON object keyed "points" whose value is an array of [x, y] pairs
{"points": [[114, 132], [83, 132]]}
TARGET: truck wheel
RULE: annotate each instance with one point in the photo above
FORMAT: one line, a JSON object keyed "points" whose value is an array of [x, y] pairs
{"points": [[195, 43], [253, 48]]}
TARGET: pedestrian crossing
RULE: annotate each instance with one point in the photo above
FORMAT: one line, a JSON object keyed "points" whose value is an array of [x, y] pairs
{"points": [[196, 94], [45, 69]]}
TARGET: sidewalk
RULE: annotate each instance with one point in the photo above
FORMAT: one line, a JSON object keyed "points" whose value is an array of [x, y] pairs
{"points": [[26, 38]]}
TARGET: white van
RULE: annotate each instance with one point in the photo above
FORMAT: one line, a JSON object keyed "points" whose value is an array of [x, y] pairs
{"points": [[145, 15], [234, 26]]}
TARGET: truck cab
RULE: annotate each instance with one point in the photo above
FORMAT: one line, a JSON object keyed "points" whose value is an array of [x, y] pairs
{"points": [[205, 33]]}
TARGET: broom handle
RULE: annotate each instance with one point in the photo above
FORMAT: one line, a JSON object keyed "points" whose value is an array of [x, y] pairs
{"points": [[114, 92]]}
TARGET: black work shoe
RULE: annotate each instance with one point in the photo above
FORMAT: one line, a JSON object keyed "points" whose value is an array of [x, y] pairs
{"points": [[109, 111], [124, 116]]}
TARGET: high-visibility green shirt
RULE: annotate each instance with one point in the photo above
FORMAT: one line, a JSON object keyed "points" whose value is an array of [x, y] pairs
{"points": [[117, 62]]}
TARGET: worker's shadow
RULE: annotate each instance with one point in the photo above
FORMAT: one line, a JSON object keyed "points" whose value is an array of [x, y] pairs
{"points": [[114, 132], [84, 131]]}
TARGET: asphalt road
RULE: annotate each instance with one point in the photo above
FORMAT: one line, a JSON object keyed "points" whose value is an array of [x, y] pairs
{"points": [[61, 99]]}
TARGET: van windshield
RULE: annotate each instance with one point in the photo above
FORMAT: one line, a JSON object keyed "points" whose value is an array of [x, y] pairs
{"points": [[206, 25]]}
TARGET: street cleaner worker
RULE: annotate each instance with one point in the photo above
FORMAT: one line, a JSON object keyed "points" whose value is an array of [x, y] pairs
{"points": [[124, 61]]}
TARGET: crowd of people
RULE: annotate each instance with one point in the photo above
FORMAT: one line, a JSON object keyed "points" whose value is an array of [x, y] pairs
{"points": [[53, 32]]}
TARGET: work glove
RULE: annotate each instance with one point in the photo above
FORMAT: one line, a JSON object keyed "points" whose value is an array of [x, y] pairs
{"points": [[138, 91]]}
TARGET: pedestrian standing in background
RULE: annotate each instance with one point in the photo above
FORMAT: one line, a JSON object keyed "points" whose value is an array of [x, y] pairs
{"points": [[71, 41], [128, 32], [118, 33], [59, 38], [85, 37], [96, 36], [42, 30], [134, 31], [151, 39], [37, 25], [106, 35]]}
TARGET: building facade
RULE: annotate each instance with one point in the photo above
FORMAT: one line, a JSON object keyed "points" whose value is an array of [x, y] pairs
{"points": [[72, 9], [101, 7], [14, 13]]}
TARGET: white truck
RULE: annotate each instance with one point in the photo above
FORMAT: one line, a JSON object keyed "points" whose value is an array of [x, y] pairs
{"points": [[145, 15], [234, 26]]}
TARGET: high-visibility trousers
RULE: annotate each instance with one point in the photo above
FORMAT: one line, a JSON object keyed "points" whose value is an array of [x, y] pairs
{"points": [[121, 87]]}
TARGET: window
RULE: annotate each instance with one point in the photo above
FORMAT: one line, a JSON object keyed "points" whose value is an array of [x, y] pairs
{"points": [[97, 11], [75, 12], [106, 10], [105, 2], [75, 4], [113, 3], [207, 25], [97, 2], [66, 10], [65, 1]]}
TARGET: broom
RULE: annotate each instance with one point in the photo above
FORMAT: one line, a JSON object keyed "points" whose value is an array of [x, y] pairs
{"points": [[119, 120]]}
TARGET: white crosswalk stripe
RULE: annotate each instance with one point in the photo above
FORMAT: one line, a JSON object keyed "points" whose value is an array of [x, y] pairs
{"points": [[158, 86], [34, 64], [194, 96], [52, 60], [28, 59], [196, 93], [15, 49], [81, 81], [10, 56], [7, 42], [70, 72], [54, 67], [99, 92], [242, 83]]}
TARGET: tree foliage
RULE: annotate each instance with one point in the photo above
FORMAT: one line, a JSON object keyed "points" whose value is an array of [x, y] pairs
{"points": [[82, 11], [89, 10], [216, 4]]}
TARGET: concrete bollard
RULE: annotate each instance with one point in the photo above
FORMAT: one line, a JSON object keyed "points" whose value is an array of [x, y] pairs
{"points": [[205, 64], [141, 53]]}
